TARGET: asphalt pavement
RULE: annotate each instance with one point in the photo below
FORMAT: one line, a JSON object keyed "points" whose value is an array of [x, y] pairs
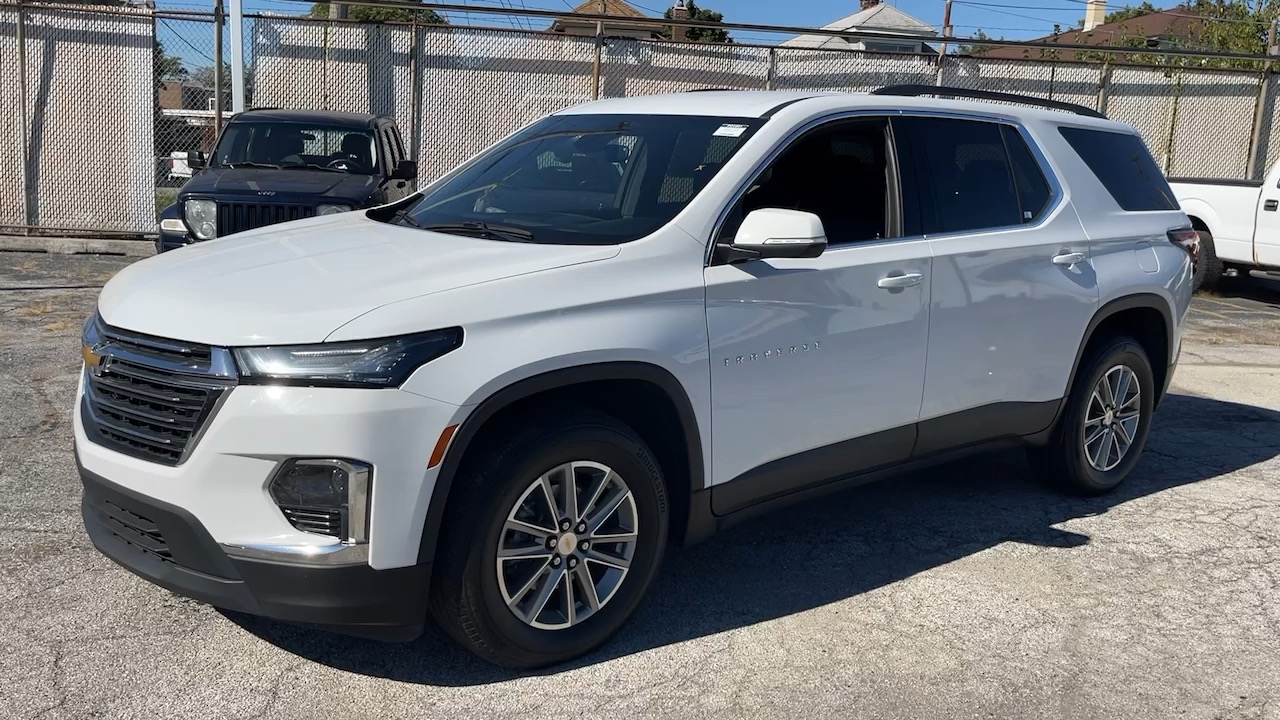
{"points": [[966, 591]]}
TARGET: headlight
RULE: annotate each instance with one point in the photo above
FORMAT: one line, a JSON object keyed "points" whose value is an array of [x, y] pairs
{"points": [[202, 218], [332, 209], [386, 362]]}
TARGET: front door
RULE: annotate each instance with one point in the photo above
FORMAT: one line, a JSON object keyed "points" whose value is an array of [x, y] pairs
{"points": [[817, 365], [1013, 289]]}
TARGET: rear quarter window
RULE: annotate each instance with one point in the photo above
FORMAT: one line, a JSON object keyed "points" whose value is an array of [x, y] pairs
{"points": [[1125, 168]]}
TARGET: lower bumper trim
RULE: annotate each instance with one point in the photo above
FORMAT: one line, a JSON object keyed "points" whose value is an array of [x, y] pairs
{"points": [[166, 545]]}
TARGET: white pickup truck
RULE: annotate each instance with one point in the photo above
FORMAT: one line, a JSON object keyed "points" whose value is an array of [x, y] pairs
{"points": [[1238, 220]]}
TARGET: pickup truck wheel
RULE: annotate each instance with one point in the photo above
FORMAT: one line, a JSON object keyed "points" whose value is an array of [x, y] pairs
{"points": [[553, 542], [1104, 427], [1209, 269]]}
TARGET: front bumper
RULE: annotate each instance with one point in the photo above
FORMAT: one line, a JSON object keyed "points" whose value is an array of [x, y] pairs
{"points": [[172, 241], [168, 546]]}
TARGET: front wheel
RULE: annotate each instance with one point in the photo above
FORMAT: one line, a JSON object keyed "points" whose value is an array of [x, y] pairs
{"points": [[557, 533], [1104, 427]]}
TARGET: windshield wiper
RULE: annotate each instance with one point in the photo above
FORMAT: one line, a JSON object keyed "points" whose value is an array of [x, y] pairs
{"points": [[404, 217], [499, 232], [311, 166], [250, 164]]}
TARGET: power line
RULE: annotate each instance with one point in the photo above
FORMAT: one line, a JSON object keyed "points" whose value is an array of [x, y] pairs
{"points": [[198, 51]]}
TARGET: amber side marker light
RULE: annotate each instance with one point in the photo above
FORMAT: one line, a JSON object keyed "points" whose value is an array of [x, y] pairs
{"points": [[441, 445]]}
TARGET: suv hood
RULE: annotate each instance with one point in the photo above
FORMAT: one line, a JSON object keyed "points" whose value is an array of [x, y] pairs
{"points": [[298, 282], [297, 183]]}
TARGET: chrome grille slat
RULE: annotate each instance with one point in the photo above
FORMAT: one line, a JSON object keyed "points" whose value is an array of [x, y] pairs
{"points": [[151, 398], [174, 421]]}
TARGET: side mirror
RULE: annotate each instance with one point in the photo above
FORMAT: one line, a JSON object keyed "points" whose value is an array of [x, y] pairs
{"points": [[778, 233], [405, 170], [195, 159]]}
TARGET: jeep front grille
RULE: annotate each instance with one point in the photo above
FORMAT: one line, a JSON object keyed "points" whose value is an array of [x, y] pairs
{"points": [[238, 217], [150, 398]]}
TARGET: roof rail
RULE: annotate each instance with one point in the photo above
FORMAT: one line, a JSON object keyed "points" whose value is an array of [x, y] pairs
{"points": [[954, 92], [711, 89]]}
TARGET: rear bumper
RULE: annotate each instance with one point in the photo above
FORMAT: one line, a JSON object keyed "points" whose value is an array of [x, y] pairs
{"points": [[166, 545]]}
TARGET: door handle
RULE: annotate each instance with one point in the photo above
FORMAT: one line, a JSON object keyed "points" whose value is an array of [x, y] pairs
{"points": [[900, 281], [1271, 205], [1068, 259]]}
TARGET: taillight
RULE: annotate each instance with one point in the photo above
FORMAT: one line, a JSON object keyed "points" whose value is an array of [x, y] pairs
{"points": [[1188, 239]]}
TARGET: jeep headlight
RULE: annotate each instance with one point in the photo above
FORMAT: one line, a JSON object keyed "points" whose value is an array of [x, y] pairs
{"points": [[202, 218], [332, 209], [384, 362]]}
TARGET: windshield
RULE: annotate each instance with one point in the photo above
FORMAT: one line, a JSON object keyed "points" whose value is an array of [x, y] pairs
{"points": [[297, 145], [583, 179]]}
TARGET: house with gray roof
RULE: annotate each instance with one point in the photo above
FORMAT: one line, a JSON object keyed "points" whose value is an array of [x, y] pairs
{"points": [[911, 35]]}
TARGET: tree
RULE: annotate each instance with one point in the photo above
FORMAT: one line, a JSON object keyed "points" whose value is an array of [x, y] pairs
{"points": [[977, 47], [368, 13], [203, 76], [167, 67], [1237, 26], [700, 34], [1128, 11]]}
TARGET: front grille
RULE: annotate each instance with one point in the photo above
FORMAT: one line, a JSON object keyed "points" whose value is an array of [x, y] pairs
{"points": [[238, 217], [324, 522], [148, 397], [136, 530]]}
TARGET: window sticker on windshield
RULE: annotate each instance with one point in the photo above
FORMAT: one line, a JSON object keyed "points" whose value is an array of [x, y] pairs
{"points": [[730, 131]]}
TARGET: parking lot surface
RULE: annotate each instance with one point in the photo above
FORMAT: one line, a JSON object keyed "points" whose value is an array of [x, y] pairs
{"points": [[965, 591]]}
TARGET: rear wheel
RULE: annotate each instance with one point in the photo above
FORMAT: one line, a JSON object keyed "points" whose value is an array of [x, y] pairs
{"points": [[556, 536], [1104, 427], [1209, 268]]}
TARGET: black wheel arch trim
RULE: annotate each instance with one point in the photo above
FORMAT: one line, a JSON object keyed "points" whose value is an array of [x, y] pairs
{"points": [[552, 380], [1150, 301]]}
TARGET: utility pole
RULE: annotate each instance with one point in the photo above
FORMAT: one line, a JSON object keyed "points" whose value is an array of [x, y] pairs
{"points": [[337, 11], [217, 69], [237, 56], [947, 31]]}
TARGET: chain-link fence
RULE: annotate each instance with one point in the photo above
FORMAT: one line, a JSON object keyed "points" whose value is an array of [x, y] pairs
{"points": [[100, 106]]}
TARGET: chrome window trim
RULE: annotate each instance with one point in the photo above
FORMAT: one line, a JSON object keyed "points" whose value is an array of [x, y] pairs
{"points": [[1056, 199]]}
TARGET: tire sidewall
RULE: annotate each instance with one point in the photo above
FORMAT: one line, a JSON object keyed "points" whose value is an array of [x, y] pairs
{"points": [[636, 466], [1120, 352]]}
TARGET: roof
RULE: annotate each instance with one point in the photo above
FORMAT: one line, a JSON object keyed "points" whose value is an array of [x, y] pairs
{"points": [[763, 103], [592, 7], [336, 119], [1152, 25], [611, 7], [881, 18]]}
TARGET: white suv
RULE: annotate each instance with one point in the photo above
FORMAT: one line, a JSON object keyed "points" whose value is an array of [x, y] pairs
{"points": [[629, 323]]}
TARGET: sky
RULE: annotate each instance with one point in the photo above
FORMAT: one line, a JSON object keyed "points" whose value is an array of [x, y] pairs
{"points": [[1010, 19]]}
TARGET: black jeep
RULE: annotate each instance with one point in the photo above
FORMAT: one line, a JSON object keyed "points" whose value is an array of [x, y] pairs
{"points": [[272, 166]]}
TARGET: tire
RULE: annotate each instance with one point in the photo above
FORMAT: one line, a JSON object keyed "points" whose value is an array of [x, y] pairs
{"points": [[1209, 268], [1064, 460], [470, 591]]}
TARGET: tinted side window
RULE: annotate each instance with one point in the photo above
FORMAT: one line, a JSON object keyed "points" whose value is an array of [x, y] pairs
{"points": [[970, 185], [1033, 188], [1125, 168], [839, 173]]}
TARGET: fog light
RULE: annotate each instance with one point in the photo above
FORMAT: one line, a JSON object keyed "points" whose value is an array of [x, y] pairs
{"points": [[325, 496]]}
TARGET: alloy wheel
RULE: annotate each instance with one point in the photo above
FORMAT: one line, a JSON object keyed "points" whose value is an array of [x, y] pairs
{"points": [[1111, 418], [566, 545]]}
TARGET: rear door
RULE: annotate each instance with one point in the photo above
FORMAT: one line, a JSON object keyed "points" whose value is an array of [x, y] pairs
{"points": [[1012, 288]]}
